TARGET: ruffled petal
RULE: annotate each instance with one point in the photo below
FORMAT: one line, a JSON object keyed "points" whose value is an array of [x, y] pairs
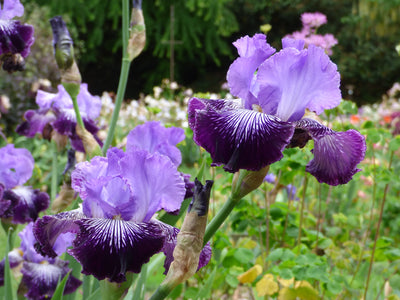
{"points": [[16, 166], [252, 51], [35, 122], [293, 80], [154, 137], [89, 105], [11, 9], [336, 154], [239, 138], [48, 229], [150, 190], [110, 248], [42, 279]]}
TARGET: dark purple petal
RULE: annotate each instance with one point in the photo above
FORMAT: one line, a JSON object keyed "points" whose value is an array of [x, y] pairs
{"points": [[30, 203], [16, 166], [48, 229], [42, 279], [15, 38], [35, 122], [171, 234], [110, 248], [292, 80], [28, 242], [239, 138], [154, 137], [189, 185], [336, 154]]}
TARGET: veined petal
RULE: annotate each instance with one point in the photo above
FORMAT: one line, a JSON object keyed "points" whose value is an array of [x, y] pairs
{"points": [[48, 229], [336, 154], [240, 138], [252, 51], [293, 80], [42, 279], [26, 203], [124, 246], [15, 37]]}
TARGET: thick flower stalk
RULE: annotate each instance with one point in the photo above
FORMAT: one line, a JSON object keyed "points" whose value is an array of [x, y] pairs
{"points": [[121, 193], [40, 275], [19, 204], [275, 91], [15, 38], [56, 111]]}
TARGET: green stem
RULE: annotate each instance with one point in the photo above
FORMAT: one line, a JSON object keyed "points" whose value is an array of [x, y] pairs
{"points": [[377, 229], [123, 78], [220, 217], [303, 198], [54, 171], [77, 112], [115, 291], [162, 292]]}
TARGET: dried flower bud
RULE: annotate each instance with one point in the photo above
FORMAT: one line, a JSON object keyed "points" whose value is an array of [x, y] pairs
{"points": [[137, 39]]}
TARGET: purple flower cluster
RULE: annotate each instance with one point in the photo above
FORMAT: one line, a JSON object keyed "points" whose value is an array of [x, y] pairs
{"points": [[15, 38], [121, 193], [276, 89], [311, 22], [40, 275], [19, 203], [57, 111]]}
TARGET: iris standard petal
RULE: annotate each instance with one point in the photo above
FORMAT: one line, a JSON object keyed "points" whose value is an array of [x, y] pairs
{"points": [[336, 154], [252, 51], [110, 248], [293, 80], [11, 9], [240, 138], [35, 122], [15, 37], [155, 182], [16, 166], [154, 137], [41, 280], [48, 229]]}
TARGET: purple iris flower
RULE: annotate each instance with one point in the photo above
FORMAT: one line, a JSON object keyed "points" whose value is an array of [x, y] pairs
{"points": [[19, 203], [15, 38], [275, 91], [154, 137], [41, 275], [58, 111], [121, 193]]}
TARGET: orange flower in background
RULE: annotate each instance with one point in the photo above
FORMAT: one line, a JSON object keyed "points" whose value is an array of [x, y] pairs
{"points": [[387, 119], [355, 119]]}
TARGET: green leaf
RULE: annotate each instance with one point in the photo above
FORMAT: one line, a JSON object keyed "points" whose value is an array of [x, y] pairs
{"points": [[205, 290], [95, 295], [232, 280], [58, 294], [8, 282], [275, 254], [244, 255]]}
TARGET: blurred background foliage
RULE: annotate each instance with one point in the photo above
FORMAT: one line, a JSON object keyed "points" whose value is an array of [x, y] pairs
{"points": [[204, 30]]}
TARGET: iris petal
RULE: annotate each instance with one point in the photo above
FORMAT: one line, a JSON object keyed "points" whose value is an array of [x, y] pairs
{"points": [[239, 138], [336, 154], [109, 248], [42, 279], [48, 229], [252, 51], [293, 80]]}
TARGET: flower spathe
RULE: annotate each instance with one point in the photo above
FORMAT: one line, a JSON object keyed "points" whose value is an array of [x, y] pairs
{"points": [[121, 192], [252, 134], [58, 111], [15, 38]]}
